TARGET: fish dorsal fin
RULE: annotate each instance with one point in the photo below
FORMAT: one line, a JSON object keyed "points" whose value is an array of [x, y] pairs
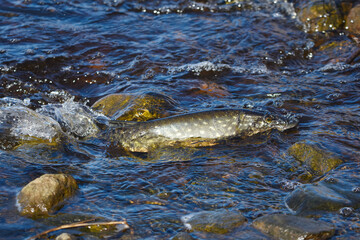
{"points": [[121, 124]]}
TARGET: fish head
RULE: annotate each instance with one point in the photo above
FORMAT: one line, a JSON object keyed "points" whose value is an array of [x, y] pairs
{"points": [[253, 122], [281, 123]]}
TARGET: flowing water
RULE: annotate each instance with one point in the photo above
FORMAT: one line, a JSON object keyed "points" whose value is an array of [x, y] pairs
{"points": [[204, 55]]}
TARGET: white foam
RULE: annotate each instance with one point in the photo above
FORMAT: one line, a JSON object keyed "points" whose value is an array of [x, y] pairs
{"points": [[27, 124], [207, 66], [74, 118]]}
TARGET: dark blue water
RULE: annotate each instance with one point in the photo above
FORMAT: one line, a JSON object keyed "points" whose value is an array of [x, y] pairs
{"points": [[254, 54]]}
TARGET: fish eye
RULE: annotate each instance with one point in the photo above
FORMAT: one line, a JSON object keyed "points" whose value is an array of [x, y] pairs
{"points": [[269, 119]]}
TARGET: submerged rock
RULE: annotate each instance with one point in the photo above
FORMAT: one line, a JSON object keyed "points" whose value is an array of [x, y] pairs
{"points": [[21, 125], [182, 236], [335, 191], [65, 236], [135, 107], [319, 161], [221, 221], [291, 227], [45, 194], [74, 118]]}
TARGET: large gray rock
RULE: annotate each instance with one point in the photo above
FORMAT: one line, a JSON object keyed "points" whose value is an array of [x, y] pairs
{"points": [[291, 227], [336, 190], [221, 221], [46, 194], [21, 125]]}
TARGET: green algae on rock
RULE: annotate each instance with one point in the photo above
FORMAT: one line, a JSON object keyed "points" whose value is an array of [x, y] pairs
{"points": [[135, 107], [319, 161], [288, 227], [220, 221], [45, 194], [320, 16]]}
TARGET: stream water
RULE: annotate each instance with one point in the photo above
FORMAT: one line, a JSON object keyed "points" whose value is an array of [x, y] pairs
{"points": [[202, 54]]}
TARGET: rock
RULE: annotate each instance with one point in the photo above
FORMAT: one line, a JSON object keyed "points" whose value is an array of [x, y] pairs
{"points": [[319, 161], [135, 107], [338, 189], [65, 236], [291, 227], [353, 20], [45, 194], [21, 125], [73, 117], [320, 16], [221, 221], [311, 198], [182, 236]]}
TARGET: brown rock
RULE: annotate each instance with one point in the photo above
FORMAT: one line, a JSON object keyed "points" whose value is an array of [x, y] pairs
{"points": [[45, 194], [353, 20], [291, 227]]}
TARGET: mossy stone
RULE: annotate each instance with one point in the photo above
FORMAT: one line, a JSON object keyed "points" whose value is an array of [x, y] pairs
{"points": [[319, 161], [319, 16], [135, 107]]}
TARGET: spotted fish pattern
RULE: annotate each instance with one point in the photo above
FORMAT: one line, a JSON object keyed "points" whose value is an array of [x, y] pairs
{"points": [[196, 129]]}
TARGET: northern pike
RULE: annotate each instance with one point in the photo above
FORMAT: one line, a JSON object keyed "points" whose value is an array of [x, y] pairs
{"points": [[205, 128]]}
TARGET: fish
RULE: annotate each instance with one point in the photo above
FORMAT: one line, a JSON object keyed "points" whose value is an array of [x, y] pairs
{"points": [[199, 129]]}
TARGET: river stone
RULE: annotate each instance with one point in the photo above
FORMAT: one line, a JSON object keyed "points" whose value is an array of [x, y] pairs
{"points": [[319, 161], [65, 236], [319, 15], [337, 189], [309, 198], [46, 194], [220, 221], [182, 236], [20, 125], [353, 20], [135, 107], [291, 227]]}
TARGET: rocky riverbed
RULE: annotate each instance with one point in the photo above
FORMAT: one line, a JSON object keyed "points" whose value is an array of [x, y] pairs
{"points": [[70, 70]]}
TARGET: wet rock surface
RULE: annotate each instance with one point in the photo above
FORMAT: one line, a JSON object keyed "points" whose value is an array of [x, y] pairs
{"points": [[65, 236], [220, 221], [321, 16], [182, 236], [45, 194], [135, 107], [21, 125], [290, 227], [74, 118], [318, 160], [353, 20], [336, 190]]}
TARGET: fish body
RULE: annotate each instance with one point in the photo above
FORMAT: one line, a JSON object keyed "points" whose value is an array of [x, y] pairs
{"points": [[196, 129]]}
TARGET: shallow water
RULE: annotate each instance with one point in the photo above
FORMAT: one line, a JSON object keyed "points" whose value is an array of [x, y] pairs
{"points": [[252, 54]]}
